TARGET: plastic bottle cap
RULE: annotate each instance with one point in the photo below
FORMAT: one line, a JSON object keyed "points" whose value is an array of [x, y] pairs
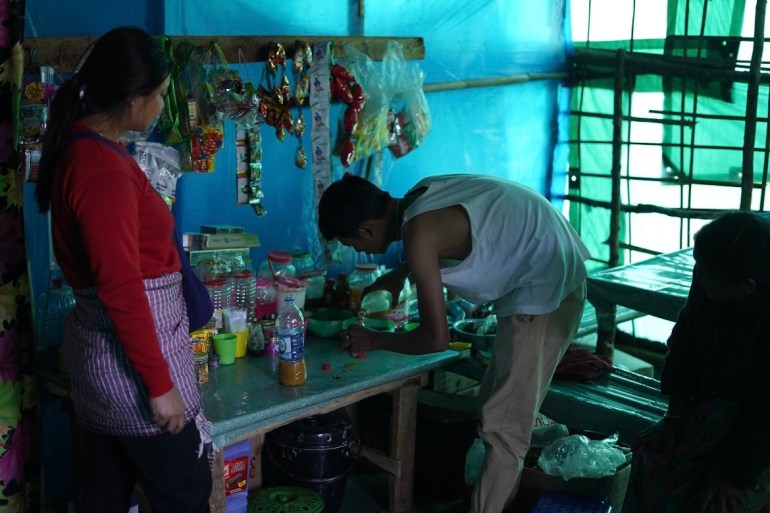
{"points": [[242, 275], [279, 257], [215, 283], [264, 282]]}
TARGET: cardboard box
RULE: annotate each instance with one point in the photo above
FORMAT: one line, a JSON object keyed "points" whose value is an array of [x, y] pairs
{"points": [[610, 489], [197, 241]]}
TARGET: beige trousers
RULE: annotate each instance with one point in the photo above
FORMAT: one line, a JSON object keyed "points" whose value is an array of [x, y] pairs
{"points": [[527, 350]]}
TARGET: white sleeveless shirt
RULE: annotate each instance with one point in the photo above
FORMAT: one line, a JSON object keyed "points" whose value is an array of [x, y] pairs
{"points": [[525, 256]]}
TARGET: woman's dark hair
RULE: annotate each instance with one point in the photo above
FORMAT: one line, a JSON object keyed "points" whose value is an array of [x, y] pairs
{"points": [[735, 246], [347, 203], [123, 63]]}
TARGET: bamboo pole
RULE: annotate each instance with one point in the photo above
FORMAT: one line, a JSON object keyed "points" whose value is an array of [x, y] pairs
{"points": [[749, 134], [617, 146], [492, 81], [698, 115], [642, 208], [635, 119], [664, 65]]}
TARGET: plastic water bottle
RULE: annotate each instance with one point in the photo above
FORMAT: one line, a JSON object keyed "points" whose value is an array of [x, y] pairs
{"points": [[291, 352], [51, 309]]}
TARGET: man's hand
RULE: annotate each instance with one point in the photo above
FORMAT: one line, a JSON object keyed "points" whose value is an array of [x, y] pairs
{"points": [[392, 281], [357, 339], [168, 411]]}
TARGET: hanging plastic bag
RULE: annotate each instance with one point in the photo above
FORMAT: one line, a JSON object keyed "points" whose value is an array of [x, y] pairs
{"points": [[364, 129], [230, 97], [578, 456], [161, 165], [408, 114]]}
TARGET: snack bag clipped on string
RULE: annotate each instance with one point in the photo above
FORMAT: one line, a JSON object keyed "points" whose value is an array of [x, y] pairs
{"points": [[408, 113]]}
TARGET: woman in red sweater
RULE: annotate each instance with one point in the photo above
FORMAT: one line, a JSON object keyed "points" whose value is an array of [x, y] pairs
{"points": [[126, 341]]}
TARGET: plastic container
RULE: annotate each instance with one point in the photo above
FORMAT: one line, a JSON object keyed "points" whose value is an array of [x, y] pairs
{"points": [[363, 276], [264, 298], [270, 332], [288, 286], [317, 453], [290, 322], [281, 265], [285, 499], [52, 308], [244, 292], [219, 291], [556, 502], [303, 263]]}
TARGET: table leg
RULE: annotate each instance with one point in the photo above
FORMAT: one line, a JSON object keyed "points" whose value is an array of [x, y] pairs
{"points": [[255, 466], [605, 334], [402, 440], [217, 499]]}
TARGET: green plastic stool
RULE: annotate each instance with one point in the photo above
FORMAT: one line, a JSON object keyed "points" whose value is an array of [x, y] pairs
{"points": [[285, 499]]}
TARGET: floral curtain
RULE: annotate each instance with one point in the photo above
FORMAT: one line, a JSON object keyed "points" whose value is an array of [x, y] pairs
{"points": [[19, 414]]}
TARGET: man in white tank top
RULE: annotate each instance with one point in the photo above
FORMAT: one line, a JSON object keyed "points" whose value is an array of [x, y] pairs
{"points": [[488, 240]]}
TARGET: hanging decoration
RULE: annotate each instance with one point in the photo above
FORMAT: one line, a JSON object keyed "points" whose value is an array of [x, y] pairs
{"points": [[303, 59], [345, 88], [275, 92], [36, 97]]}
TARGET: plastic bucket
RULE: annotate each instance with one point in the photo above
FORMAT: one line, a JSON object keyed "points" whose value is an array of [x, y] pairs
{"points": [[315, 453]]}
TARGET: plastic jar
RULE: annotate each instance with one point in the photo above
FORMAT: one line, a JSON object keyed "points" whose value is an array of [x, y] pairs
{"points": [[280, 262], [363, 276], [264, 298], [244, 291], [219, 292], [303, 263]]}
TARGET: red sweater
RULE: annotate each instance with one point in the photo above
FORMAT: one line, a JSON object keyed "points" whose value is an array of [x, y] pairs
{"points": [[110, 231]]}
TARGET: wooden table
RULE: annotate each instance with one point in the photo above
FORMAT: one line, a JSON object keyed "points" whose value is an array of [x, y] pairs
{"points": [[657, 286], [244, 402]]}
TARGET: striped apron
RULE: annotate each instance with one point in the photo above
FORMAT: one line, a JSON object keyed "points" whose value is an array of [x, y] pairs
{"points": [[108, 395]]}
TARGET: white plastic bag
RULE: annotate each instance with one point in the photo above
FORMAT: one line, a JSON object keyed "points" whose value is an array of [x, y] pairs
{"points": [[578, 456]]}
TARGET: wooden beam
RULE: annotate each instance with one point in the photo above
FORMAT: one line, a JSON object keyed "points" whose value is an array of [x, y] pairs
{"points": [[63, 53]]}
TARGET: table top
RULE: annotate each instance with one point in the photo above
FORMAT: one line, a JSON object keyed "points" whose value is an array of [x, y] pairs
{"points": [[244, 397], [657, 286]]}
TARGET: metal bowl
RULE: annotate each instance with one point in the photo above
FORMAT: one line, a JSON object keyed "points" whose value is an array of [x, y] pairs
{"points": [[466, 330]]}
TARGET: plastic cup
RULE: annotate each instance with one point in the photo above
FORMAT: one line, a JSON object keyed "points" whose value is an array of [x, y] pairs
{"points": [[241, 338], [224, 345]]}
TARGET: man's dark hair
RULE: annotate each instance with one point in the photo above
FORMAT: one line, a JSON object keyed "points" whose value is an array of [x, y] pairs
{"points": [[735, 245], [347, 203]]}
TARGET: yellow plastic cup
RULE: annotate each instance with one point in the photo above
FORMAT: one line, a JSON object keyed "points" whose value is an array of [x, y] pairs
{"points": [[224, 345], [241, 337]]}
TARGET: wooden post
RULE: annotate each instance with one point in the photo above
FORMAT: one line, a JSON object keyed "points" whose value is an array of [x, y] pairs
{"points": [[750, 128]]}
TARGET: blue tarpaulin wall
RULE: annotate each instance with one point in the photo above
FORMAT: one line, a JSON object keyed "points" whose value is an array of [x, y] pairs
{"points": [[513, 131], [510, 130]]}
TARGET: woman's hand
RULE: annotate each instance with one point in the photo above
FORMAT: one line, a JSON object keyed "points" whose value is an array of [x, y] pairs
{"points": [[168, 411]]}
